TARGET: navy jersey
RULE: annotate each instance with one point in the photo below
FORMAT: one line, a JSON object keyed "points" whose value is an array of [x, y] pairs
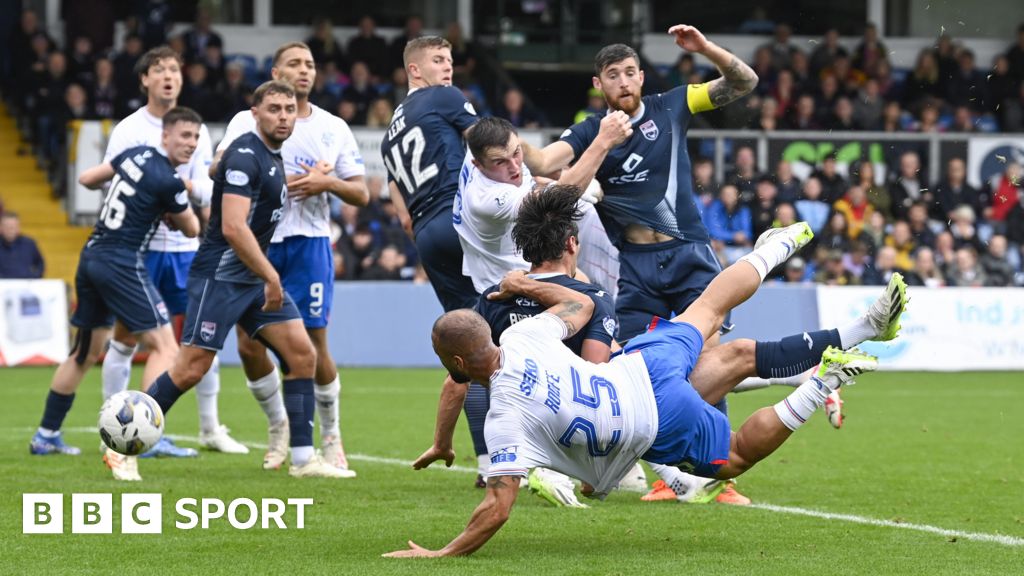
{"points": [[647, 180], [500, 314], [423, 149], [144, 187], [248, 169]]}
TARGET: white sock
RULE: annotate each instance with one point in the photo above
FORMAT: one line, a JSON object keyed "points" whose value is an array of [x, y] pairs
{"points": [[301, 454], [267, 391], [680, 482], [852, 334], [206, 398], [47, 433], [117, 368], [756, 383], [483, 462], [796, 408], [768, 256], [327, 407]]}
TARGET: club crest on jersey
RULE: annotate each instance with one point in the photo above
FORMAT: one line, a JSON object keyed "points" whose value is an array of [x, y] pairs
{"points": [[207, 330], [649, 129], [328, 139], [609, 325]]}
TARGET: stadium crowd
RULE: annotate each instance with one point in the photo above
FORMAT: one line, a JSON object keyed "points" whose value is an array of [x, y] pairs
{"points": [[937, 233]]}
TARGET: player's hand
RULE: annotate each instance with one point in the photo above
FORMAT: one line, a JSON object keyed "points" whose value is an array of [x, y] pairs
{"points": [[324, 167], [309, 184], [433, 454], [188, 185], [509, 286], [273, 296], [616, 127], [689, 38], [413, 551]]}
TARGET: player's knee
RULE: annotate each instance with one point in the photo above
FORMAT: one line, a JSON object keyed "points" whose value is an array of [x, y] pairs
{"points": [[188, 373], [743, 351], [302, 360], [249, 349], [161, 340]]}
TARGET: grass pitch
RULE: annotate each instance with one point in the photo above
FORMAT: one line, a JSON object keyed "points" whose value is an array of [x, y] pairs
{"points": [[935, 451]]}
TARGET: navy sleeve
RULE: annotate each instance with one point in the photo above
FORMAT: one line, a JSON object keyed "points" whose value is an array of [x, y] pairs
{"points": [[174, 195], [454, 107], [580, 135], [490, 311], [675, 99], [603, 324], [241, 173]]}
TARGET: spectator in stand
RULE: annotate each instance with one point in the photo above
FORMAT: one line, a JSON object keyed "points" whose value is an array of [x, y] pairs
{"points": [[19, 255], [237, 94], [857, 261], [463, 54], [963, 120], [995, 263], [321, 95], [762, 211], [48, 100], [1001, 86], [796, 271], [1015, 224], [908, 185], [966, 272], [863, 175], [964, 230], [945, 60], [177, 44], [925, 272], [901, 240], [1003, 191], [368, 47], [1015, 56], [595, 105], [23, 52], [868, 106], [826, 52], [201, 36], [154, 21], [704, 187], [360, 91], [803, 115], [954, 191], [967, 87], [920, 230], [842, 118], [765, 69], [197, 94], [347, 111], [945, 251], [810, 207], [386, 266], [681, 71], [923, 82], [125, 78], [785, 94], [744, 175], [103, 96], [892, 117], [380, 113], [324, 46], [788, 185], [81, 61], [870, 50], [413, 29], [883, 269], [785, 215], [833, 185], [781, 48], [729, 225], [873, 233], [855, 207], [399, 86], [833, 273], [213, 58], [928, 119], [835, 236], [514, 109], [801, 74], [828, 93]]}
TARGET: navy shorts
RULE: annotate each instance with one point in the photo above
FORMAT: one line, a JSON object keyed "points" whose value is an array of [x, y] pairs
{"points": [[661, 279], [692, 434], [113, 284], [306, 266], [214, 307], [169, 271], [441, 254]]}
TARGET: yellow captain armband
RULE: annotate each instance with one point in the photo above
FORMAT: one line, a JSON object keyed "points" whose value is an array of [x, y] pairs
{"points": [[698, 99]]}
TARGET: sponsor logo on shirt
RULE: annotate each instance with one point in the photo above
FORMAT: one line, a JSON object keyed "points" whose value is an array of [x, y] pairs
{"points": [[507, 454], [236, 178]]}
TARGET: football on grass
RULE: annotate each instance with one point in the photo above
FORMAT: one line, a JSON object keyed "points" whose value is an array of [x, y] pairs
{"points": [[131, 422]]}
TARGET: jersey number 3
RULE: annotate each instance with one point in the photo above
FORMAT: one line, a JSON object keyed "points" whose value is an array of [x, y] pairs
{"points": [[412, 143], [593, 401]]}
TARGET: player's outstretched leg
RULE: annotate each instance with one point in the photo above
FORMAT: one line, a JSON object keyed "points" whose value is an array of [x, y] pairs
{"points": [[768, 428]]}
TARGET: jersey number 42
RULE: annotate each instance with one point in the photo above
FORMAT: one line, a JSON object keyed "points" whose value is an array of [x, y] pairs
{"points": [[411, 145]]}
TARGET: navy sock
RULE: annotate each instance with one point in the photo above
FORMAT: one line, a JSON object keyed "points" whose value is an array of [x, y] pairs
{"points": [[57, 407], [722, 406], [300, 405], [478, 400], [793, 354], [164, 392]]}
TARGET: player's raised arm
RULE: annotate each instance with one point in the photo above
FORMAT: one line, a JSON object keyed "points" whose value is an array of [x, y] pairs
{"points": [[615, 129], [737, 79], [487, 519], [549, 159], [572, 307], [95, 177]]}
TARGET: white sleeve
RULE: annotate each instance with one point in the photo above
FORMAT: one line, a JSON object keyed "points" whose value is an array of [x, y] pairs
{"points": [[509, 452], [240, 124], [349, 162], [495, 200], [542, 326], [119, 141], [199, 169]]}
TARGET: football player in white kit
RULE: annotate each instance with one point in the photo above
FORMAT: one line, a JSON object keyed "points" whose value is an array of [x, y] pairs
{"points": [[550, 408], [321, 157], [170, 252]]}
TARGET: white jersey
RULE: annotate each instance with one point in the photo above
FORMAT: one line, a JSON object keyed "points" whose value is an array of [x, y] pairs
{"points": [[140, 128], [319, 136], [483, 213], [598, 258], [552, 409]]}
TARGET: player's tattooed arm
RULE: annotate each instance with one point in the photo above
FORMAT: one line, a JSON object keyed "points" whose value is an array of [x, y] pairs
{"points": [[737, 81], [571, 307]]}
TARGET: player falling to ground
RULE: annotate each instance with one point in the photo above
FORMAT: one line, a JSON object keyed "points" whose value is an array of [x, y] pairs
{"points": [[300, 249], [550, 408], [232, 282], [112, 283], [546, 233], [170, 253]]}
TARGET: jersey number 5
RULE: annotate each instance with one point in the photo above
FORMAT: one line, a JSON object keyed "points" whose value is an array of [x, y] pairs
{"points": [[113, 212], [593, 401], [412, 143]]}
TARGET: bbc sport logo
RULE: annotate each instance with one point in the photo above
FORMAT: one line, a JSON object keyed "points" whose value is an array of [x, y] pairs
{"points": [[143, 513]]}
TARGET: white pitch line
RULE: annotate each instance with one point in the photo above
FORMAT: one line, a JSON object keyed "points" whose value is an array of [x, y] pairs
{"points": [[976, 536]]}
